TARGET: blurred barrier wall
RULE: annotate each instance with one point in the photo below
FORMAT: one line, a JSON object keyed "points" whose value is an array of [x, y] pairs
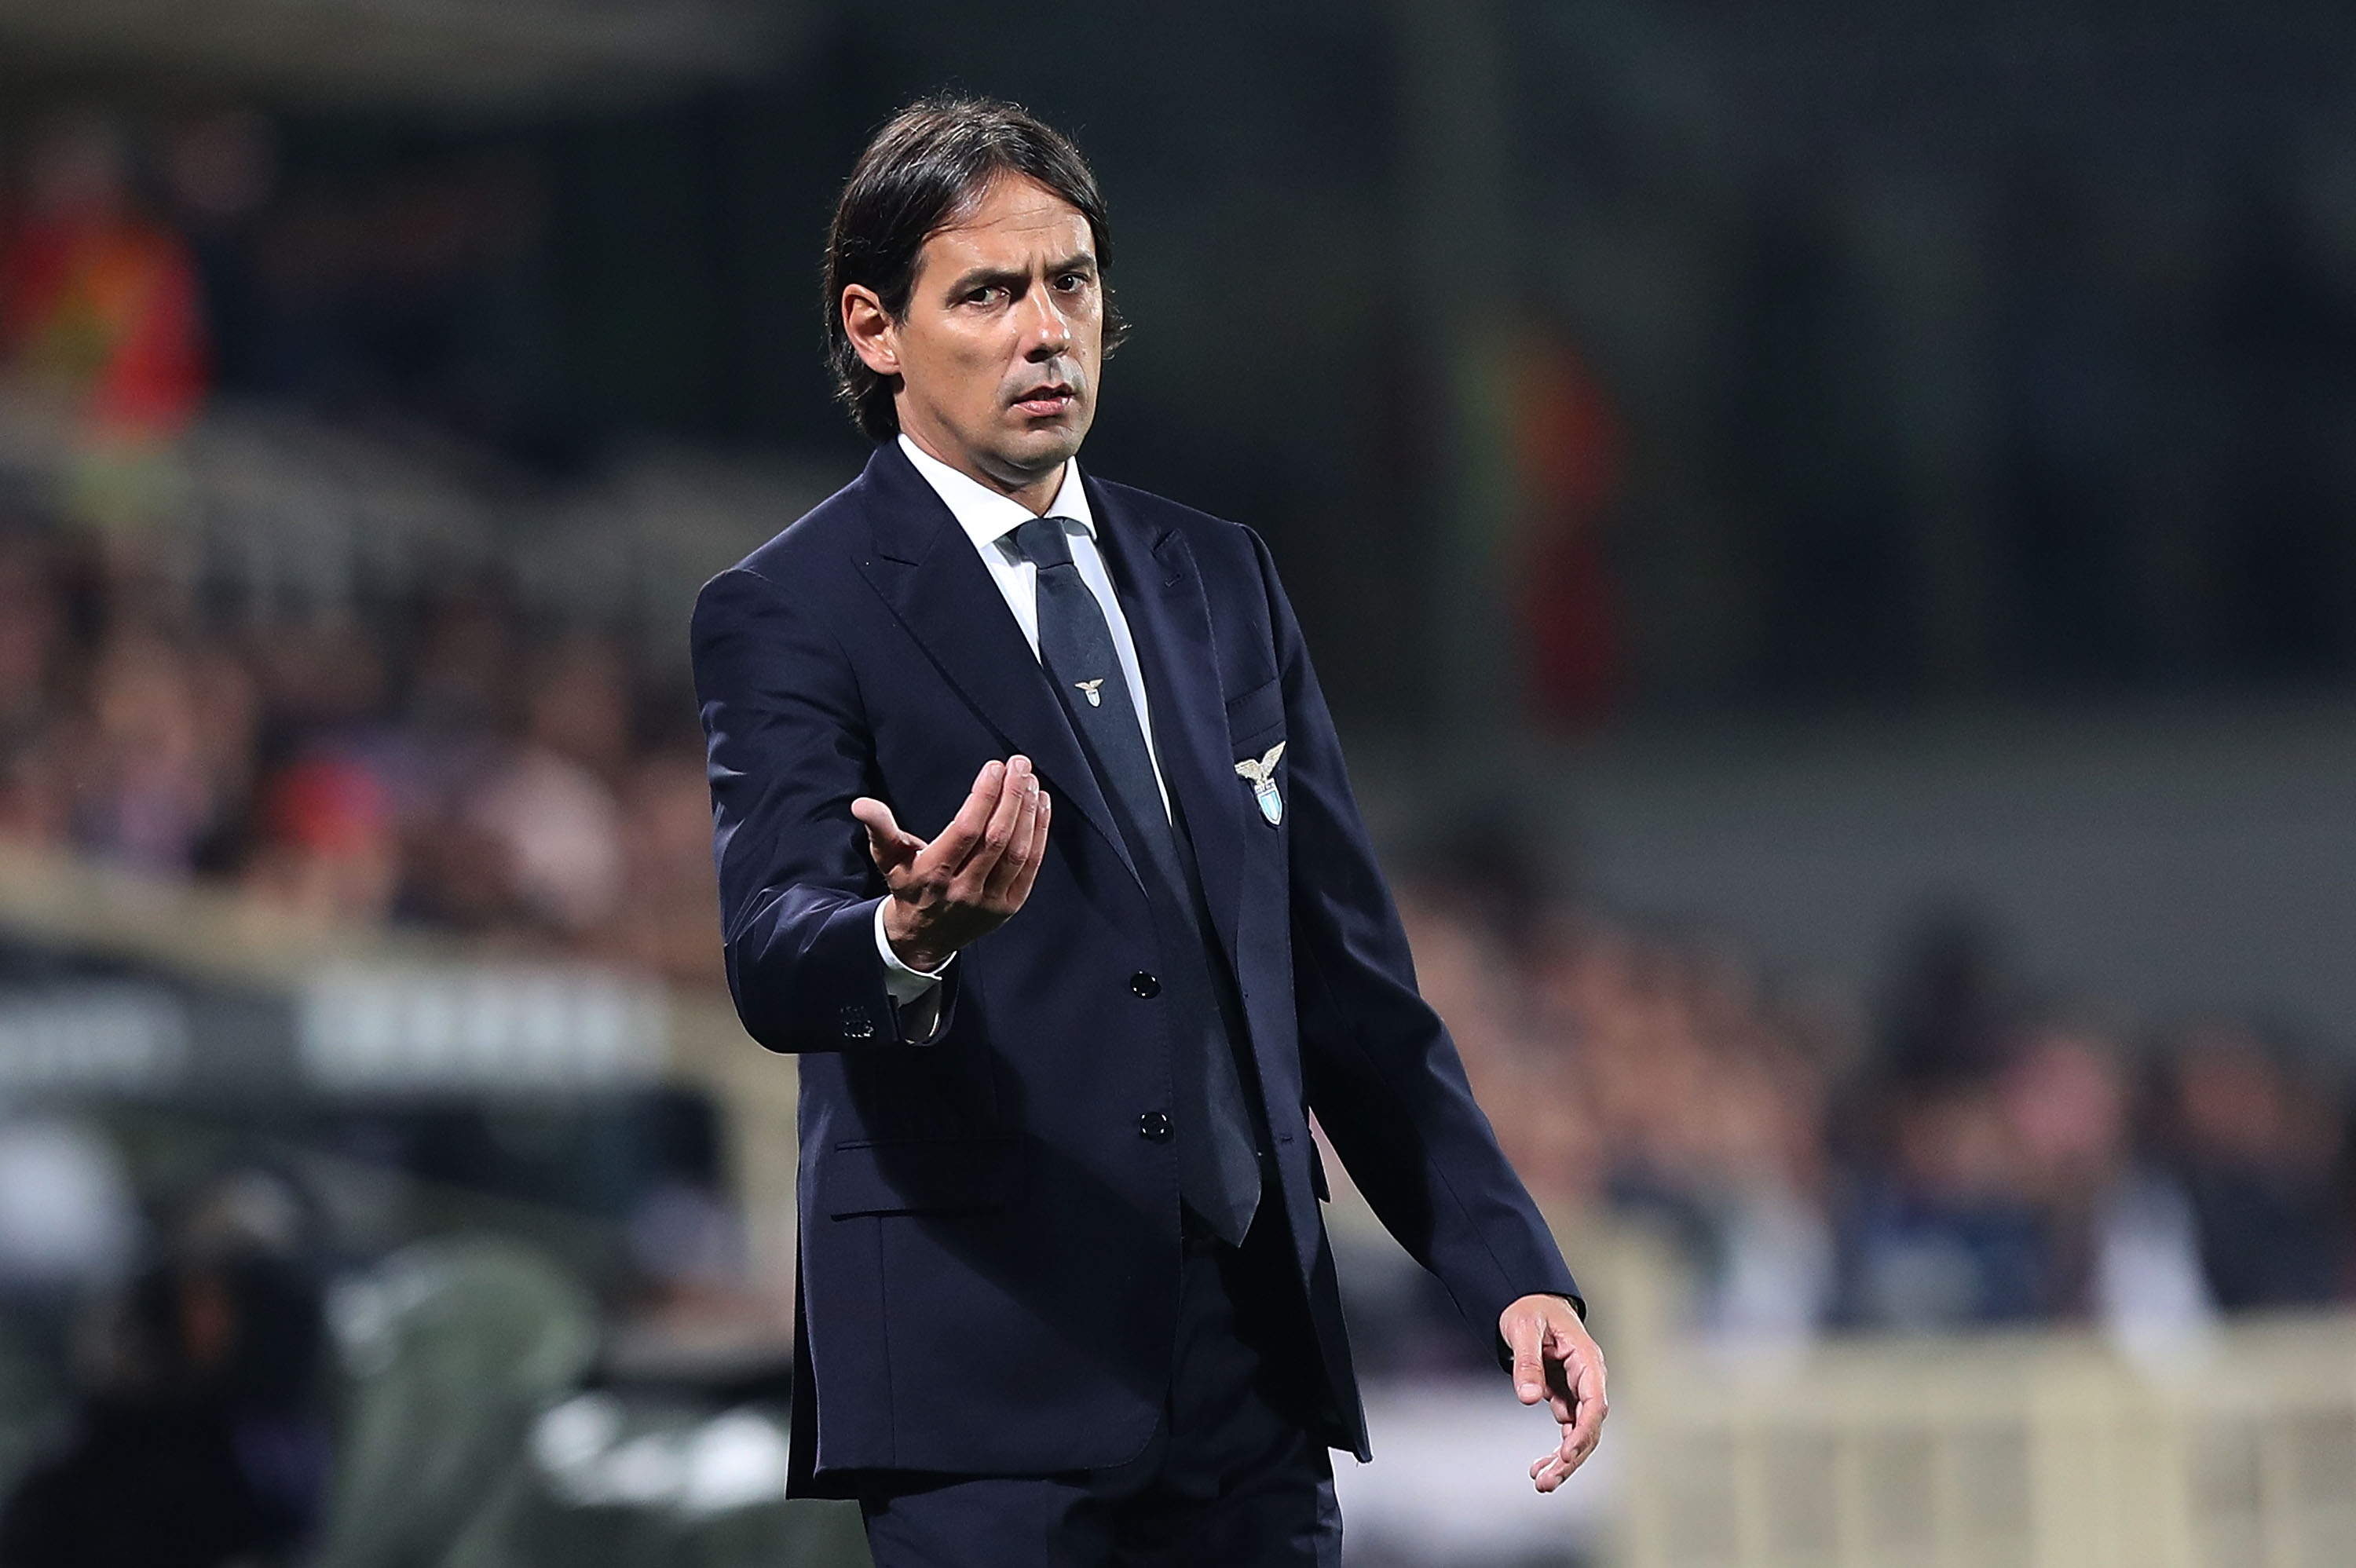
{"points": [[2034, 1451], [687, 1036], [2038, 1449]]}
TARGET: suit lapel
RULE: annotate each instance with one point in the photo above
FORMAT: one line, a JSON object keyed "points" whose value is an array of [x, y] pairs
{"points": [[1168, 618], [927, 571]]}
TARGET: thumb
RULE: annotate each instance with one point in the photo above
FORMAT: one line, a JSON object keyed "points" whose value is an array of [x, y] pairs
{"points": [[891, 848], [1530, 1373]]}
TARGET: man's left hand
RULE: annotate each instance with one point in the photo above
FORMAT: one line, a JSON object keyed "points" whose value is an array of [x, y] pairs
{"points": [[1555, 1359]]}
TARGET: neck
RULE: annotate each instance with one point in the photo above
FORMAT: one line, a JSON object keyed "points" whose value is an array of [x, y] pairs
{"points": [[1033, 493]]}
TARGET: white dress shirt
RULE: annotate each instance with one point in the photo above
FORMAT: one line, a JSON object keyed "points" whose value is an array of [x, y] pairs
{"points": [[989, 520]]}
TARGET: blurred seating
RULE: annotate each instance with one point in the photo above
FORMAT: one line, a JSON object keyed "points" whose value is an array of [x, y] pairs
{"points": [[621, 1483], [466, 1444], [452, 1348]]}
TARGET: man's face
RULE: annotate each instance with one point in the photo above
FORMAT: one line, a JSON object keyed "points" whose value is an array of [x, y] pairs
{"points": [[998, 351]]}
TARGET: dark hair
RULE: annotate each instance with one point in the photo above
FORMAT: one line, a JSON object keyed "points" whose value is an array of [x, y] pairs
{"points": [[931, 163]]}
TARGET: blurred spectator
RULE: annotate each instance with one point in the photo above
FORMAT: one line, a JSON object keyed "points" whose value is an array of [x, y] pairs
{"points": [[222, 164], [32, 630], [661, 927], [2256, 1144], [542, 804], [1946, 1232], [32, 648], [579, 706], [557, 835], [145, 781], [1568, 452], [2122, 1244], [98, 303], [329, 847], [1945, 1010], [322, 678], [200, 1440]]}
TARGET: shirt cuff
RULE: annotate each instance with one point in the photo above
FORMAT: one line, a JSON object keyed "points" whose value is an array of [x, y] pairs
{"points": [[904, 985]]}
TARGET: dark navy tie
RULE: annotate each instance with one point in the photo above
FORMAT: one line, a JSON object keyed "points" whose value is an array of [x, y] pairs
{"points": [[1218, 1171]]}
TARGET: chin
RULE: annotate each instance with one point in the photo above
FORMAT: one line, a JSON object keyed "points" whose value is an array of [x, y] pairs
{"points": [[1040, 449]]}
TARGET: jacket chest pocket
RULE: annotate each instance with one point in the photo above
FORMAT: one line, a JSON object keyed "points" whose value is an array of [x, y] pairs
{"points": [[1256, 718]]}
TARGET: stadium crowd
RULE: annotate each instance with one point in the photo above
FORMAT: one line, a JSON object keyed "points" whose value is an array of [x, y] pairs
{"points": [[453, 771], [1965, 1153]]}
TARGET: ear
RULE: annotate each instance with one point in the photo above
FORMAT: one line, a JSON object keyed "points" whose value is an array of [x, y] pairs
{"points": [[875, 336]]}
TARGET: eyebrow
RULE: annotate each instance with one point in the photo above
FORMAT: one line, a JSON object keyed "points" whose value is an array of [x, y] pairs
{"points": [[982, 277]]}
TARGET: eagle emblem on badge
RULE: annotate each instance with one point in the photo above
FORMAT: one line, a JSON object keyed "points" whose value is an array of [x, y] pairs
{"points": [[1260, 774], [1087, 688]]}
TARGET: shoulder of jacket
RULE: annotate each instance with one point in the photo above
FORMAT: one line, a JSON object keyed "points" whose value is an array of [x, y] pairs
{"points": [[1163, 510], [825, 537], [1212, 537]]}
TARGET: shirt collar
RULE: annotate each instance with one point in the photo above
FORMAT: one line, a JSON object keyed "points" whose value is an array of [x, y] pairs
{"points": [[988, 516]]}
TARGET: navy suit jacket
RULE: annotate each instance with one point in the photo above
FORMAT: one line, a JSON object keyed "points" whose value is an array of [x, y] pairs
{"points": [[990, 1241]]}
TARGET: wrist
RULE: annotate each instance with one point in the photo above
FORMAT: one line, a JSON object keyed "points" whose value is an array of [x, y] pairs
{"points": [[908, 942]]}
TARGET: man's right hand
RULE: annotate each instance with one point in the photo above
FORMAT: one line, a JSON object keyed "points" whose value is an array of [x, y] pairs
{"points": [[968, 882]]}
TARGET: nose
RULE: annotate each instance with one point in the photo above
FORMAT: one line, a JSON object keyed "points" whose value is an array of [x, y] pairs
{"points": [[1048, 331]]}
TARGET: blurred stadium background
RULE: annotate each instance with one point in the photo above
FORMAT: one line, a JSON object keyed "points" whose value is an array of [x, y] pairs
{"points": [[1830, 530]]}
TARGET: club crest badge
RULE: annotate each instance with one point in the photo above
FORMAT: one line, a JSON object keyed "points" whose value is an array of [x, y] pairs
{"points": [[1260, 774], [1088, 689]]}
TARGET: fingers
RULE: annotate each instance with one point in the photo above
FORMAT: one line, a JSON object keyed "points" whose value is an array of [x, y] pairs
{"points": [[1559, 1356], [1021, 847], [1020, 889], [1016, 789], [1582, 1423], [1552, 1471], [1592, 1407], [1554, 1467], [956, 843]]}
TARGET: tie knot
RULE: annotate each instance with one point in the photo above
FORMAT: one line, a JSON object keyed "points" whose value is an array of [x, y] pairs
{"points": [[1041, 542]]}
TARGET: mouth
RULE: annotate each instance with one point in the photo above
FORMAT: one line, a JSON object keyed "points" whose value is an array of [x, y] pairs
{"points": [[1046, 399]]}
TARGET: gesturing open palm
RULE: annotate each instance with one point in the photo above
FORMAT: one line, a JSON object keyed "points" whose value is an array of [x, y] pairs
{"points": [[970, 880]]}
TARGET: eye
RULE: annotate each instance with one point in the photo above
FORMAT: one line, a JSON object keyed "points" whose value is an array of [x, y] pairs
{"points": [[989, 293], [1072, 283]]}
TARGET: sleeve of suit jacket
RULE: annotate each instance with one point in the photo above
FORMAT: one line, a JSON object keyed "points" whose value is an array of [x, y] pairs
{"points": [[1378, 1066], [787, 752]]}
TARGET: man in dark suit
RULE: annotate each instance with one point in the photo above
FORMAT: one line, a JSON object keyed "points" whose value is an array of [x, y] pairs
{"points": [[1064, 1292]]}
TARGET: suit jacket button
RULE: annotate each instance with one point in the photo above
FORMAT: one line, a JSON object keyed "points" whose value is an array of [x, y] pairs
{"points": [[1153, 1126], [1145, 985]]}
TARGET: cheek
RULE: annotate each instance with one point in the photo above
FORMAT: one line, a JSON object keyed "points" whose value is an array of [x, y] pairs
{"points": [[958, 371], [979, 354]]}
